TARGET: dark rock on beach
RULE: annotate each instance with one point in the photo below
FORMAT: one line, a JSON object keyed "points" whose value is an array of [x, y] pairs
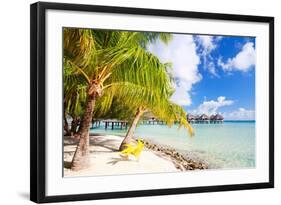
{"points": [[181, 162]]}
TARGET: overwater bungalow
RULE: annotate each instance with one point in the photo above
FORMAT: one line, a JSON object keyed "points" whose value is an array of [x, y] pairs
{"points": [[212, 117], [197, 117], [191, 118], [204, 118], [217, 118], [150, 119]]}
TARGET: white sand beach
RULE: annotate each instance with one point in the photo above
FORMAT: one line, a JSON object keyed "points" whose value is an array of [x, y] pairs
{"points": [[106, 160]]}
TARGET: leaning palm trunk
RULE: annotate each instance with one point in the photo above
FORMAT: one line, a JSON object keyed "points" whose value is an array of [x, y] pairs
{"points": [[81, 158], [131, 130]]}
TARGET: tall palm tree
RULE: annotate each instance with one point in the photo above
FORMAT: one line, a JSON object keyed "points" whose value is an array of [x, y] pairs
{"points": [[162, 108], [106, 59], [149, 97]]}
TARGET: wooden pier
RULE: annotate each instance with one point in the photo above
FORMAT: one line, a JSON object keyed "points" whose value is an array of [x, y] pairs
{"points": [[95, 123], [115, 124], [153, 122]]}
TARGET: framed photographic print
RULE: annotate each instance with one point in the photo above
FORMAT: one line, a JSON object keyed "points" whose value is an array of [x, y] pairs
{"points": [[129, 102]]}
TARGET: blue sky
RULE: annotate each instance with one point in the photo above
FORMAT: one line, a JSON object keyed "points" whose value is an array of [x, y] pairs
{"points": [[213, 74]]}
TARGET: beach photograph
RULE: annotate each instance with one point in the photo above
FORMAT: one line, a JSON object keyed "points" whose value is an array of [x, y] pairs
{"points": [[142, 102]]}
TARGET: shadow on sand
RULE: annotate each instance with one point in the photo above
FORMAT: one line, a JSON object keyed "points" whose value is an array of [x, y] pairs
{"points": [[109, 144], [115, 160]]}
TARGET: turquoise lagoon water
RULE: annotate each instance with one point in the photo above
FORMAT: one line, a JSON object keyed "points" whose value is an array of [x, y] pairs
{"points": [[227, 145]]}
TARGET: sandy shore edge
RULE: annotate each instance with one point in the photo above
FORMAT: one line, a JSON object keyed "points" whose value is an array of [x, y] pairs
{"points": [[106, 159], [180, 161]]}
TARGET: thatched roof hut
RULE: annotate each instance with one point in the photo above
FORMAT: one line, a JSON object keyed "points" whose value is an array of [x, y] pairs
{"points": [[218, 117], [190, 117], [204, 117], [212, 117]]}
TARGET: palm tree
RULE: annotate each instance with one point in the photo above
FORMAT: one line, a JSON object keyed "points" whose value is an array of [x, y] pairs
{"points": [[104, 60], [148, 97], [163, 109]]}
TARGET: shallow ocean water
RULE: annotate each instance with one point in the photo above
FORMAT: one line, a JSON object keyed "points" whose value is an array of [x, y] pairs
{"points": [[227, 145]]}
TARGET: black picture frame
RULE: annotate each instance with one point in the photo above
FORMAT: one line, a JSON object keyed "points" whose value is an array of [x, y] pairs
{"points": [[38, 103]]}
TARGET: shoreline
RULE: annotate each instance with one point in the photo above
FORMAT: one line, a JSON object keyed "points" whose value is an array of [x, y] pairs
{"points": [[180, 161], [106, 159]]}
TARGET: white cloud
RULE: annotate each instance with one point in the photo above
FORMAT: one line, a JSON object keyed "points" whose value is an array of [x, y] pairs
{"points": [[206, 44], [181, 51], [243, 61], [211, 107], [240, 114], [212, 68]]}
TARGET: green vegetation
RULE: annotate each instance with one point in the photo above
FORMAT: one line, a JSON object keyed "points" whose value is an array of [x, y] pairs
{"points": [[112, 74]]}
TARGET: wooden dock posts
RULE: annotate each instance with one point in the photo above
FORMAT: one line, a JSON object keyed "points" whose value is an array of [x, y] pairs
{"points": [[113, 124], [153, 121], [95, 123], [123, 124]]}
